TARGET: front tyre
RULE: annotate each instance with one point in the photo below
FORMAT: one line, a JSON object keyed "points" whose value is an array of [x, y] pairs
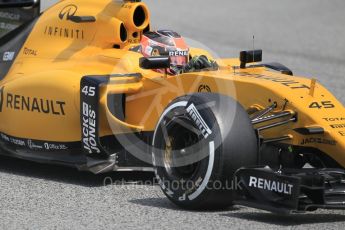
{"points": [[199, 143]]}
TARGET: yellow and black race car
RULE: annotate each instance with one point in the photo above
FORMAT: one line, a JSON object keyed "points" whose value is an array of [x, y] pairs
{"points": [[75, 91]]}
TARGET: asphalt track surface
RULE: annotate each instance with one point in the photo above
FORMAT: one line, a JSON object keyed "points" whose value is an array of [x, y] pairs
{"points": [[306, 35]]}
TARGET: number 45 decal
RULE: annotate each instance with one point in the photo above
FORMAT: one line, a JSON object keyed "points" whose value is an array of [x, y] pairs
{"points": [[322, 104], [89, 91]]}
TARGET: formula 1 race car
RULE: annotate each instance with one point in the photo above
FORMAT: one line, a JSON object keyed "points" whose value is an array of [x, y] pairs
{"points": [[74, 92]]}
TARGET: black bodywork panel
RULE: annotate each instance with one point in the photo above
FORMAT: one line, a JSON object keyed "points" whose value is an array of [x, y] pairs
{"points": [[15, 26], [278, 67], [11, 44], [290, 190], [89, 112]]}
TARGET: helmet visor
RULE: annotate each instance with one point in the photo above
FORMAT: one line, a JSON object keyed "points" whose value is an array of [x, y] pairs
{"points": [[178, 60]]}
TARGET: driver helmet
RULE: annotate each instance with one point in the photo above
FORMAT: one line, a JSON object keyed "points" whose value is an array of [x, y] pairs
{"points": [[166, 43]]}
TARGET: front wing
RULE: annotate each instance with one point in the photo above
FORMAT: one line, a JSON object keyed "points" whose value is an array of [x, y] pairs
{"points": [[290, 190]]}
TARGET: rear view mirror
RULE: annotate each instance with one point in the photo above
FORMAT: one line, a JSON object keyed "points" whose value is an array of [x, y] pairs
{"points": [[17, 3], [159, 62], [250, 57]]}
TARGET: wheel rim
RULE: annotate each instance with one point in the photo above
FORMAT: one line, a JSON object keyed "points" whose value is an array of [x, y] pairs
{"points": [[181, 141]]}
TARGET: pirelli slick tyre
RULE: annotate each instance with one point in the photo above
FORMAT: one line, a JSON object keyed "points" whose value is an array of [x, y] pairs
{"points": [[199, 143]]}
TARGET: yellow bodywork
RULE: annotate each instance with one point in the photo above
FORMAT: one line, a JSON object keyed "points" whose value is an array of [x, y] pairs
{"points": [[52, 62]]}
